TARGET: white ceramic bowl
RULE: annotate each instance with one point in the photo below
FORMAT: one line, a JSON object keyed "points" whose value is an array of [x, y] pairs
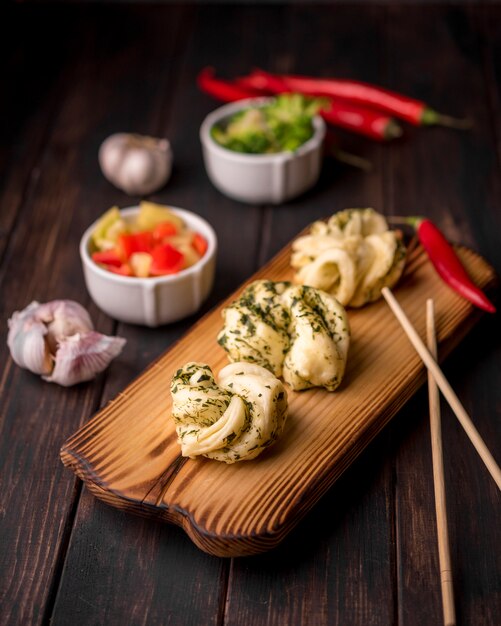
{"points": [[260, 178], [157, 300]]}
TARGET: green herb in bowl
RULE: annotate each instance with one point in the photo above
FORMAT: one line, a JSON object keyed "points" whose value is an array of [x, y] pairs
{"points": [[282, 125]]}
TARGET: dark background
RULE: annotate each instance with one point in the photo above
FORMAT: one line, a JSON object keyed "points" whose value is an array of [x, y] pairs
{"points": [[74, 73]]}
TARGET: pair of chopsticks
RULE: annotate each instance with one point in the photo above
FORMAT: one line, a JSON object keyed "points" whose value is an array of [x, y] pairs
{"points": [[437, 380]]}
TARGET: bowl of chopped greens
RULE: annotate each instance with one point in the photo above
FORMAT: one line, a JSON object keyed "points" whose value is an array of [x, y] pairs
{"points": [[264, 150]]}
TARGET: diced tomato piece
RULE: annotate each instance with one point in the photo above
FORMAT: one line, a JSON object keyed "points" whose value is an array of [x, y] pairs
{"points": [[166, 260], [107, 257], [135, 242], [123, 270], [165, 229], [200, 244]]}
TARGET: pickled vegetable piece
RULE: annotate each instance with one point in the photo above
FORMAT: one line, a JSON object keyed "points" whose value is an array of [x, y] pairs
{"points": [[165, 247], [107, 257], [108, 228], [135, 242], [151, 215], [166, 260]]}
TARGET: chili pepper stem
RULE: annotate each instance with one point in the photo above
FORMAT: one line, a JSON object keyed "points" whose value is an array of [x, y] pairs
{"points": [[412, 220], [433, 118], [352, 159], [393, 130]]}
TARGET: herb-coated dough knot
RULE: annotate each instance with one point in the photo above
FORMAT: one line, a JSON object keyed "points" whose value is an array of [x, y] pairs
{"points": [[352, 256], [298, 332], [233, 420]]}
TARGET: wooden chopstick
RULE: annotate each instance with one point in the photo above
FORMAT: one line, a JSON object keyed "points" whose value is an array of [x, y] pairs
{"points": [[444, 387], [444, 557]]}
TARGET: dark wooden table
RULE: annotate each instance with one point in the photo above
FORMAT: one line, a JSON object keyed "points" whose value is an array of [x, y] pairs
{"points": [[367, 553]]}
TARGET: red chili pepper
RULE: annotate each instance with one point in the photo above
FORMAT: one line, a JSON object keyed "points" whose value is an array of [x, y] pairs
{"points": [[352, 117], [264, 81], [224, 90], [446, 262], [409, 109], [361, 120]]}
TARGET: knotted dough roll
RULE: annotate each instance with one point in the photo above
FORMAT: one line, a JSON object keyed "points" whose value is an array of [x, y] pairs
{"points": [[233, 420], [297, 332], [352, 256]]}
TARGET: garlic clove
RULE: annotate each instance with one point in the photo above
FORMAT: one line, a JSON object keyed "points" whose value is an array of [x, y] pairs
{"points": [[136, 164], [63, 318], [27, 341], [80, 357]]}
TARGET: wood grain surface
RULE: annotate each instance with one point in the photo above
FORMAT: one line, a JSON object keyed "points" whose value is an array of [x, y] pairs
{"points": [[129, 457], [366, 552]]}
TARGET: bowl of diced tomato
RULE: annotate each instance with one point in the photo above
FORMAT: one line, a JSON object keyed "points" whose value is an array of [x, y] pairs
{"points": [[149, 264]]}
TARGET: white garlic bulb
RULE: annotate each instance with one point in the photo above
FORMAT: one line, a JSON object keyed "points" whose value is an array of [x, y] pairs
{"points": [[137, 164], [57, 340]]}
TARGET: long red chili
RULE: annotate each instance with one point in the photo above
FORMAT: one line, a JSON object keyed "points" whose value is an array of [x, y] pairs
{"points": [[447, 263], [362, 121], [409, 109], [224, 90], [230, 92], [352, 117]]}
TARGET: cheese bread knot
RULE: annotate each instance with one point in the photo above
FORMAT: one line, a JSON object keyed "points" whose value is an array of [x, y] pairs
{"points": [[352, 256], [297, 332], [233, 420]]}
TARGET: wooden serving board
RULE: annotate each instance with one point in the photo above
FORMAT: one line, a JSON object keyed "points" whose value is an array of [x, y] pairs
{"points": [[128, 454]]}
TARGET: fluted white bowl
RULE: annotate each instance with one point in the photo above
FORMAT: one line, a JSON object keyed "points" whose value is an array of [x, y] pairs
{"points": [[260, 178], [155, 300]]}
